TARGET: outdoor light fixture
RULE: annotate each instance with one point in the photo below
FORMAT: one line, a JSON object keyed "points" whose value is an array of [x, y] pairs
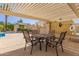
{"points": [[60, 24]]}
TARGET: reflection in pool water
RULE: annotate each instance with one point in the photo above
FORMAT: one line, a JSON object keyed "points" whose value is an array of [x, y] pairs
{"points": [[2, 34]]}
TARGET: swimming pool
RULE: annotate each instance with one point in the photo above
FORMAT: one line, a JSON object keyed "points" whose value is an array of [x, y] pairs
{"points": [[2, 34]]}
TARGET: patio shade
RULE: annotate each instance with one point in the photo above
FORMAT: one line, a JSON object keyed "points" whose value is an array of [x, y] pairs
{"points": [[41, 11]]}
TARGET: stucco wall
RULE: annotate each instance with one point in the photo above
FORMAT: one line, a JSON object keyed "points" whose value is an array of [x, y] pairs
{"points": [[45, 29], [65, 26]]}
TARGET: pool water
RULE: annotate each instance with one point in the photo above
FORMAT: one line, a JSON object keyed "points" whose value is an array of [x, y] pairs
{"points": [[2, 34]]}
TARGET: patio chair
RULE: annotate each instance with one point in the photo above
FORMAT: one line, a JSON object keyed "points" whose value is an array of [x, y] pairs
{"points": [[57, 43], [35, 31], [52, 37], [29, 39]]}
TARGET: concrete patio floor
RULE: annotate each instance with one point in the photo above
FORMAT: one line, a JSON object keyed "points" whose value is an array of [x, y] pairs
{"points": [[37, 52], [13, 45]]}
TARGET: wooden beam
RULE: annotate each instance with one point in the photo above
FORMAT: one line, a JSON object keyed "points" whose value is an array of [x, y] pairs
{"points": [[73, 7], [21, 15]]}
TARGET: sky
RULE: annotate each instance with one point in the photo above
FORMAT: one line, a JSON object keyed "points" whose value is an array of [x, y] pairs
{"points": [[14, 19], [76, 21]]}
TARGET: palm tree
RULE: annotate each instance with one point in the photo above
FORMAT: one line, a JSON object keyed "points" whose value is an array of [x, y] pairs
{"points": [[20, 21], [10, 27], [1, 26]]}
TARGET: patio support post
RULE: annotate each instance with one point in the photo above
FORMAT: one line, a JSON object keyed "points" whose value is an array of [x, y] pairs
{"points": [[5, 23], [50, 24]]}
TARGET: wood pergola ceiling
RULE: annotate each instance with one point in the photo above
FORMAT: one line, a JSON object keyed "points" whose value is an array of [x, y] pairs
{"points": [[75, 8], [40, 11]]}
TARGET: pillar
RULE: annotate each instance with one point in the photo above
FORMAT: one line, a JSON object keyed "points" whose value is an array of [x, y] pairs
{"points": [[5, 23]]}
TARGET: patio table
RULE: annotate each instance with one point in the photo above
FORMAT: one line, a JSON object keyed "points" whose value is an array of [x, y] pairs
{"points": [[41, 37]]}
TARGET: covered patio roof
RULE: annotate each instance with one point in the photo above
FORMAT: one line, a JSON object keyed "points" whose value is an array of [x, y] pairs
{"points": [[41, 11]]}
